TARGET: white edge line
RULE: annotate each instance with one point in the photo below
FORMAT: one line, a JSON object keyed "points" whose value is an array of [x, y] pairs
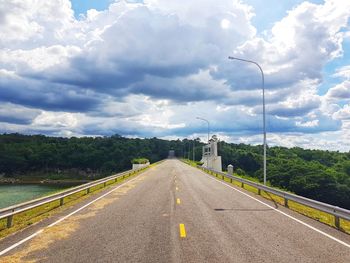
{"points": [[3, 252], [279, 211]]}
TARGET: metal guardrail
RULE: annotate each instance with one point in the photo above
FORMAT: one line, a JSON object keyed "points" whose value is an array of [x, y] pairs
{"points": [[336, 211], [9, 212]]}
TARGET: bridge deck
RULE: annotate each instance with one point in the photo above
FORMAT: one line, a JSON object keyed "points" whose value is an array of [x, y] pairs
{"points": [[176, 213]]}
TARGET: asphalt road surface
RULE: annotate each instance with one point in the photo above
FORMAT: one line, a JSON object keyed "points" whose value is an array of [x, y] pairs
{"points": [[176, 213]]}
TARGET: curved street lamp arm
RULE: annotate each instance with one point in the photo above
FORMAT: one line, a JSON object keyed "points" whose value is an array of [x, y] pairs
{"points": [[199, 118], [264, 111]]}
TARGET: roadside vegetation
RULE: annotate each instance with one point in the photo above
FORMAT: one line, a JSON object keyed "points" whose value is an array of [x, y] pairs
{"points": [[35, 215], [139, 161], [39, 157], [344, 225], [316, 174]]}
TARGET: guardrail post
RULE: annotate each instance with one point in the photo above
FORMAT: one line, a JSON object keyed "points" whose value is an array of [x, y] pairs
{"points": [[223, 177], [104, 184], [88, 191], [9, 221], [336, 222], [286, 202], [336, 212], [62, 201]]}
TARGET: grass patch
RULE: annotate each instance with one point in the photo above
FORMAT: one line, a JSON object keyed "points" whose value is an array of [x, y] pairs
{"points": [[302, 209], [236, 183], [189, 162], [272, 197], [27, 218], [139, 161], [312, 213], [96, 187], [110, 182], [3, 223], [345, 225], [226, 179], [250, 188], [75, 196]]}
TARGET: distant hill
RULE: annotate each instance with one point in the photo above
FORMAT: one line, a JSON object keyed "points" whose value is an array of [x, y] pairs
{"points": [[320, 175], [317, 174]]}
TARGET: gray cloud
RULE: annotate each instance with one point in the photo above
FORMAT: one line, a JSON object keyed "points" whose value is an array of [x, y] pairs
{"points": [[17, 114], [45, 95], [146, 69]]}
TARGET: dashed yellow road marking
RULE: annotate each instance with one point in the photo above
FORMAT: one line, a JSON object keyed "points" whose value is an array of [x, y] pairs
{"points": [[182, 230], [178, 201]]}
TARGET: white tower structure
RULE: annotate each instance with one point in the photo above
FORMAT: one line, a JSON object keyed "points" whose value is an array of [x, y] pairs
{"points": [[210, 158]]}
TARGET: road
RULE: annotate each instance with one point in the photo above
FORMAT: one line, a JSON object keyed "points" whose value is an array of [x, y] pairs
{"points": [[176, 213]]}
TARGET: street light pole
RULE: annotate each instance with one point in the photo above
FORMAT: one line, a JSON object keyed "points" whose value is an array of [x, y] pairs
{"points": [[189, 151], [193, 147], [264, 115], [208, 136]]}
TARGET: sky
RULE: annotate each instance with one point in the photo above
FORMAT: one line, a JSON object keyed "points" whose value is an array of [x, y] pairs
{"points": [[149, 68]]}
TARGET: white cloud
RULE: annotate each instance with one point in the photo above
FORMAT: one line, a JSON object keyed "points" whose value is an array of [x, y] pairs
{"points": [[147, 69], [38, 59], [17, 114], [340, 91], [313, 123], [33, 23], [343, 113], [343, 72], [56, 120]]}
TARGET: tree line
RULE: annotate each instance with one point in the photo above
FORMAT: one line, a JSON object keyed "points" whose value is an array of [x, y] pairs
{"points": [[316, 174]]}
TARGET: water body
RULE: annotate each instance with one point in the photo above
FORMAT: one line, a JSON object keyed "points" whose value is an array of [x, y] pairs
{"points": [[15, 194]]}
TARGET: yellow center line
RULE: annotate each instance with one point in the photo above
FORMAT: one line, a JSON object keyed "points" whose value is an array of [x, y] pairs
{"points": [[178, 201], [182, 230]]}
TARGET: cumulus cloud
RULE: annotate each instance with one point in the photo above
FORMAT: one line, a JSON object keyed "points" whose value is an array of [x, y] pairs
{"points": [[343, 72], [31, 23], [146, 68], [343, 113], [45, 95], [340, 91], [17, 114]]}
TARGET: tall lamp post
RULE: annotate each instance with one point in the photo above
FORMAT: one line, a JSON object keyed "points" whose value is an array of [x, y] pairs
{"points": [[193, 148], [189, 151], [263, 93], [202, 119]]}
